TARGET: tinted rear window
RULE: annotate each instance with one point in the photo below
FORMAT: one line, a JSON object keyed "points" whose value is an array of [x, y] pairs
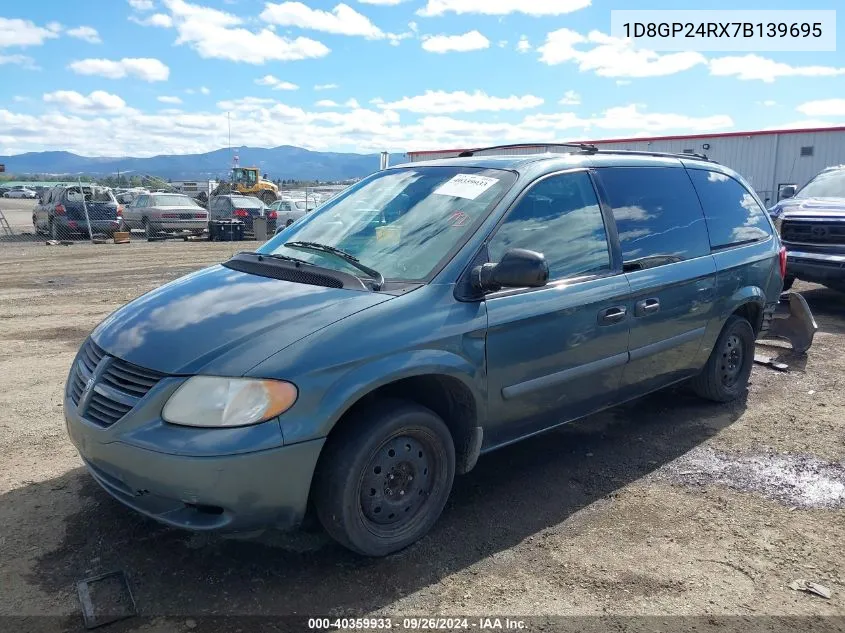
{"points": [[657, 215], [733, 215], [247, 203]]}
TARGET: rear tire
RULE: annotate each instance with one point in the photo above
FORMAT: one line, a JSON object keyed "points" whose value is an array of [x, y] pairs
{"points": [[268, 197], [384, 477], [725, 376], [148, 230]]}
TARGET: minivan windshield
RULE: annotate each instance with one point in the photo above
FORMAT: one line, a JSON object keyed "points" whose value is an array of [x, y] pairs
{"points": [[829, 184], [402, 222]]}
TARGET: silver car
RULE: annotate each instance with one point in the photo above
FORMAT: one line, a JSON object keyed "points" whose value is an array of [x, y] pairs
{"points": [[157, 212], [287, 212]]}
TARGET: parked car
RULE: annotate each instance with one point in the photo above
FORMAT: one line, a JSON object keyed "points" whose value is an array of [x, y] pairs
{"points": [[286, 212], [811, 222], [61, 213], [243, 208], [429, 314], [164, 212], [22, 192]]}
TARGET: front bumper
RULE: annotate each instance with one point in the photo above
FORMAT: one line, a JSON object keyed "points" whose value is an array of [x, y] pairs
{"points": [[228, 493], [815, 267]]}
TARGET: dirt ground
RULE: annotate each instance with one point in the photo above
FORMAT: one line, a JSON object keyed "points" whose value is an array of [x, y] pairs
{"points": [[664, 507]]}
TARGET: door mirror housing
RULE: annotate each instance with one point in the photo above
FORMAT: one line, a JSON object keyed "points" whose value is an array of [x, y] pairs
{"points": [[788, 191], [519, 268]]}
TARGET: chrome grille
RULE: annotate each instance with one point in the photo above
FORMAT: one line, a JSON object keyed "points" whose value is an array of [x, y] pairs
{"points": [[118, 386]]}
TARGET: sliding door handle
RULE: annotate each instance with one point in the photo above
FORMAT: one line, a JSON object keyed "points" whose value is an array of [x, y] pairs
{"points": [[647, 306]]}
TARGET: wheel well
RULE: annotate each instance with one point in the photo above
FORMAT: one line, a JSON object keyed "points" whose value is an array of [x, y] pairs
{"points": [[753, 313], [448, 397]]}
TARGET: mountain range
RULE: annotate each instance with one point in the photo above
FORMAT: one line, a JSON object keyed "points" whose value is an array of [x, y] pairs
{"points": [[283, 162]]}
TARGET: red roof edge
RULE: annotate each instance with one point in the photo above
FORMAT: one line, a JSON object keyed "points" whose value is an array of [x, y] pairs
{"points": [[640, 139]]}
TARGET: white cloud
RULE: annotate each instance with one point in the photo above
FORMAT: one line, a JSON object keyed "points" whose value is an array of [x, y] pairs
{"points": [[823, 107], [749, 67], [275, 83], [769, 103], [20, 99], [623, 82], [205, 90], [342, 20], [141, 5], [161, 20], [352, 103], [471, 41], [215, 34], [609, 56], [441, 102], [570, 97], [15, 32], [97, 101], [413, 26], [327, 103], [503, 7], [18, 60], [262, 122], [144, 68], [86, 33], [798, 125], [170, 100], [523, 45], [325, 86]]}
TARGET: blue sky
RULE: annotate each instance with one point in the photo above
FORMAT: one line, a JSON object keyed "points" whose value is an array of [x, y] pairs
{"points": [[143, 77]]}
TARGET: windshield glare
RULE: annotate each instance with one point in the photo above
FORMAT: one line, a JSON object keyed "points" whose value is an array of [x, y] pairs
{"points": [[827, 185], [173, 201], [401, 222]]}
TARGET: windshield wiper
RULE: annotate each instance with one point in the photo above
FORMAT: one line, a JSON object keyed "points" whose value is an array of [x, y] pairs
{"points": [[378, 278], [285, 258]]}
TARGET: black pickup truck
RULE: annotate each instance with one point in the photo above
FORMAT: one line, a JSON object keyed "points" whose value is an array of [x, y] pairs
{"points": [[811, 222]]}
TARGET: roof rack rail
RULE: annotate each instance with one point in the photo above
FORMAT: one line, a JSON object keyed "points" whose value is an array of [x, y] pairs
{"points": [[584, 147], [636, 152]]}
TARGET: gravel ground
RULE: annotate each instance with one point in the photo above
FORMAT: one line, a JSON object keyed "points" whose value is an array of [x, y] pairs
{"points": [[667, 506]]}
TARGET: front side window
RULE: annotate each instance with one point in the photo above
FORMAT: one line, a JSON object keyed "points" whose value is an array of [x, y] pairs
{"points": [[400, 222], [658, 215], [829, 184], [559, 217], [733, 215]]}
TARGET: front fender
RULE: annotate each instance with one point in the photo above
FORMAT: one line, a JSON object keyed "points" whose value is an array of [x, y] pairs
{"points": [[354, 384]]}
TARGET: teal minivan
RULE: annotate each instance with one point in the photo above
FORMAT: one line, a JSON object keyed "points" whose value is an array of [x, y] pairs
{"points": [[350, 367]]}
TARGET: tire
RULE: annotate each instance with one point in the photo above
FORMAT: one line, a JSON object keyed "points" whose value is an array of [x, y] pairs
{"points": [[148, 230], [787, 282], [268, 197], [725, 376], [384, 477], [288, 223], [55, 234]]}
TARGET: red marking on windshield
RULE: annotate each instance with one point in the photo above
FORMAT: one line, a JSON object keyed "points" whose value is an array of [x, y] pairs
{"points": [[458, 218]]}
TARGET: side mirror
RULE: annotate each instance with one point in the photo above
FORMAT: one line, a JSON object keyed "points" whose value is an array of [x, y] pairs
{"points": [[788, 192], [519, 268]]}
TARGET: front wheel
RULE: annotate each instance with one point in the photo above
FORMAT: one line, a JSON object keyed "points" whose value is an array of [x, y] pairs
{"points": [[384, 477], [725, 376]]}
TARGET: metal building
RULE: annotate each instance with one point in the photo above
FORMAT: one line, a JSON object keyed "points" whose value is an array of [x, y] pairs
{"points": [[769, 160]]}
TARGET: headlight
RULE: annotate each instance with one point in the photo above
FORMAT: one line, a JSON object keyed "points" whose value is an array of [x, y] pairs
{"points": [[210, 401]]}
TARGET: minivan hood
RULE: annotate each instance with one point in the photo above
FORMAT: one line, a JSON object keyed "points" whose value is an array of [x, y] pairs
{"points": [[221, 321], [814, 207]]}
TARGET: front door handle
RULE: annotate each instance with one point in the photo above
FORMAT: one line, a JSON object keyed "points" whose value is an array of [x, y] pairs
{"points": [[610, 316], [647, 306]]}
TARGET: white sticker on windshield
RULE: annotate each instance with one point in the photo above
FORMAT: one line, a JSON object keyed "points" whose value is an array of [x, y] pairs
{"points": [[466, 186]]}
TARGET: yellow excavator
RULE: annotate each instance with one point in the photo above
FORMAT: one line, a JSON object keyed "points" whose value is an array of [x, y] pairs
{"points": [[248, 181]]}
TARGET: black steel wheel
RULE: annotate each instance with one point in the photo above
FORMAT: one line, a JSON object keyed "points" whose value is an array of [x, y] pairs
{"points": [[384, 477], [725, 376]]}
